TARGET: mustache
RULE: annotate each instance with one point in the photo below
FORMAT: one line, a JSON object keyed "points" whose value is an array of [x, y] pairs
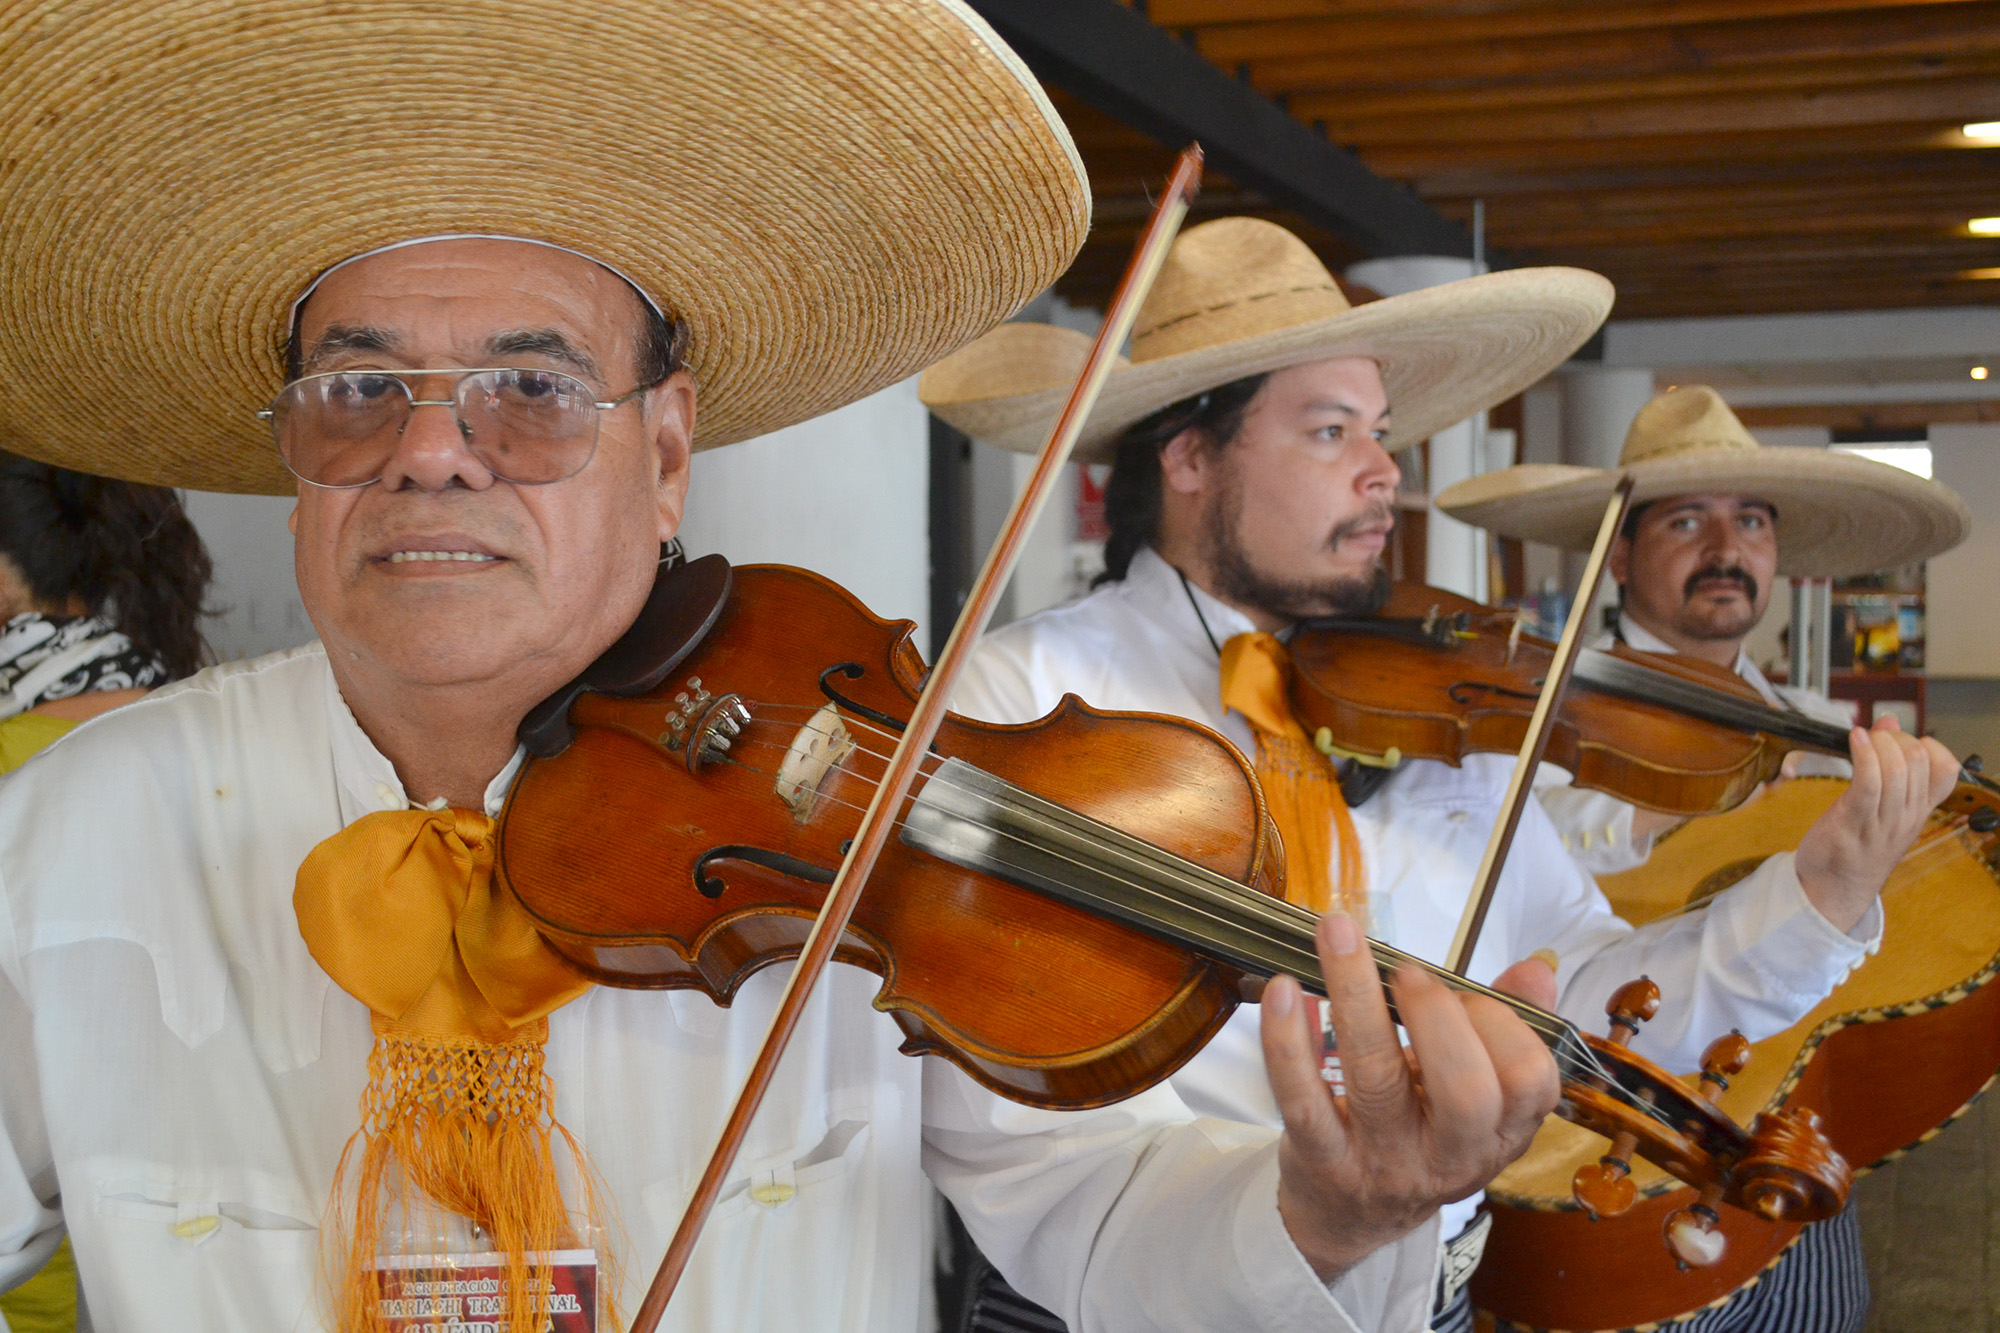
{"points": [[1719, 574], [1372, 519]]}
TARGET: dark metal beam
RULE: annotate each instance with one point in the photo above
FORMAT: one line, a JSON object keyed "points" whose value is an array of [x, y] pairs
{"points": [[1111, 57]]}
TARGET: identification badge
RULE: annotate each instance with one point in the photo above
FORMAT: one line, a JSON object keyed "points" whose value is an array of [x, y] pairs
{"points": [[467, 1293]]}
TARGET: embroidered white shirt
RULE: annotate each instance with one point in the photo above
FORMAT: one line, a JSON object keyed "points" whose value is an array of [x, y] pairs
{"points": [[178, 1077], [1757, 959]]}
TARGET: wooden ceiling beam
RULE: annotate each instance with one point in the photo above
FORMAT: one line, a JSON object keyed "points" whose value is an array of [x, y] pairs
{"points": [[1908, 102], [1111, 57], [1406, 161], [1261, 34], [1871, 416], [1897, 169], [1976, 61]]}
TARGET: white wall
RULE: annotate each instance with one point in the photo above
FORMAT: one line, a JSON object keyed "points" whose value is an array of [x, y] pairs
{"points": [[846, 495], [255, 589], [1961, 631]]}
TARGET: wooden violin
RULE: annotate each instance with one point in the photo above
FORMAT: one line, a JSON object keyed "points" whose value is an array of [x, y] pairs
{"points": [[1068, 911], [1438, 676]]}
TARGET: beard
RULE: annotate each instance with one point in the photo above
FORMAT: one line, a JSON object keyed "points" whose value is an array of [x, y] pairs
{"points": [[1239, 580], [1717, 622]]}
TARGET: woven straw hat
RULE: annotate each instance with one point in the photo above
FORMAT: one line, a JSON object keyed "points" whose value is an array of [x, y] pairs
{"points": [[833, 195], [1838, 514], [1241, 296]]}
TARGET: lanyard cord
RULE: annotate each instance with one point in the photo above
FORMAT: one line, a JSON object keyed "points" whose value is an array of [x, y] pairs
{"points": [[1188, 588]]}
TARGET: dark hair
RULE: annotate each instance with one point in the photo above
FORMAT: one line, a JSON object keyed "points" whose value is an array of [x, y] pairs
{"points": [[126, 551], [1132, 496], [663, 343]]}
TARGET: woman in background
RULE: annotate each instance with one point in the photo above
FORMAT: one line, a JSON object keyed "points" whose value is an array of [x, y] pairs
{"points": [[101, 589]]}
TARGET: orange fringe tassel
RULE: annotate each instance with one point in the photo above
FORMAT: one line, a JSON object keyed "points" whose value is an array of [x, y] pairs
{"points": [[469, 1128]]}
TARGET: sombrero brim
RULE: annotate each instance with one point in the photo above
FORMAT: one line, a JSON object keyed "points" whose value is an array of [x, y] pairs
{"points": [[832, 195], [1838, 514], [1446, 352]]}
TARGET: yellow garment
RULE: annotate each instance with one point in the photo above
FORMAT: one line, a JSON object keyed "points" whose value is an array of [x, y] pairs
{"points": [[24, 733], [46, 1302], [1301, 789], [401, 910]]}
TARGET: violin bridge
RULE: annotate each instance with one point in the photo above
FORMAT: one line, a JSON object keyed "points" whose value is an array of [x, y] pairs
{"points": [[820, 747]]}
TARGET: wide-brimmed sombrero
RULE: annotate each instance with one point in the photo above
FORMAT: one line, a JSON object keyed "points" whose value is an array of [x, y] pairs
{"points": [[1838, 514], [833, 195], [1241, 296]]}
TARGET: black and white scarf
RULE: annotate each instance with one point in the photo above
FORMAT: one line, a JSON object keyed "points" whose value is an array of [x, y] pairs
{"points": [[48, 657]]}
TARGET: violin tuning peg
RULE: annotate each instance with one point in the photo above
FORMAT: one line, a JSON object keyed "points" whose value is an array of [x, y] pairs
{"points": [[1725, 1057], [1694, 1237], [1604, 1188], [1630, 1005], [1984, 820], [1973, 764]]}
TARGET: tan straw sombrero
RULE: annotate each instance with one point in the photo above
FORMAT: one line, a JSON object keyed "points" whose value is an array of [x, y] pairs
{"points": [[1241, 296], [832, 194], [1838, 514]]}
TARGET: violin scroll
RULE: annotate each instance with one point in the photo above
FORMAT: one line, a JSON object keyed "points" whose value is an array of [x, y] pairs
{"points": [[1782, 1168]]}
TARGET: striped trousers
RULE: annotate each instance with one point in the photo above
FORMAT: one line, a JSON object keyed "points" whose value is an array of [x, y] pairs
{"points": [[1820, 1286]]}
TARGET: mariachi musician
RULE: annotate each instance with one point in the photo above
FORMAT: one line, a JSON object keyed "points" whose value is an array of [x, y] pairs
{"points": [[1252, 485], [1716, 519], [470, 259]]}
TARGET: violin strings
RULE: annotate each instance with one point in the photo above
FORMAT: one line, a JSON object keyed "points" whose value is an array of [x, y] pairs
{"points": [[1567, 1045]]}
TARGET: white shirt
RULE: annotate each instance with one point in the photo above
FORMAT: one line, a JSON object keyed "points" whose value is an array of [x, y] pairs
{"points": [[1757, 959], [1597, 827], [178, 1077]]}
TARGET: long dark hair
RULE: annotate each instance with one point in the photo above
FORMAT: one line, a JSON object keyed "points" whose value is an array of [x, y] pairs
{"points": [[1132, 496], [126, 551]]}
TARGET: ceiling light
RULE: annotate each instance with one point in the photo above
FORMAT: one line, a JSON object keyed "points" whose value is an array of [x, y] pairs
{"points": [[1977, 274], [1984, 226], [1985, 129], [1979, 372]]}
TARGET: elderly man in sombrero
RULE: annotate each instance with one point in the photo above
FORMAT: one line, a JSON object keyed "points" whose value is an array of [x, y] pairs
{"points": [[1716, 519], [271, 1041], [1251, 441]]}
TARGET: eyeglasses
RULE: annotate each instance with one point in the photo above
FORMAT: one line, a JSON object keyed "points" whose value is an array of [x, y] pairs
{"points": [[529, 427]]}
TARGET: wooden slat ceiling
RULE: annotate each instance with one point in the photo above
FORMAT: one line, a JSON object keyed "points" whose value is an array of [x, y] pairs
{"points": [[1709, 156]]}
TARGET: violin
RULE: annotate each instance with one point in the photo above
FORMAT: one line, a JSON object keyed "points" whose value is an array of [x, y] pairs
{"points": [[1438, 676], [1068, 910]]}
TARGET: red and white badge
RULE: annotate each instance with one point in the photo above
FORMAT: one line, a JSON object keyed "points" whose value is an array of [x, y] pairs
{"points": [[467, 1293]]}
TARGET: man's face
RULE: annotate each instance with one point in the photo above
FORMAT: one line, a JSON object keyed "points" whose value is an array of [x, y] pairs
{"points": [[560, 569], [1296, 511], [1700, 566]]}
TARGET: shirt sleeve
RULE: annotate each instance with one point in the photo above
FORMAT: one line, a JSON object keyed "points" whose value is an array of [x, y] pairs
{"points": [[1756, 959], [997, 686], [1595, 828], [30, 1211], [1136, 1219]]}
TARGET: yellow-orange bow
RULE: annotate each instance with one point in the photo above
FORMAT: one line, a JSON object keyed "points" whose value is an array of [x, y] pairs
{"points": [[1301, 789], [400, 909]]}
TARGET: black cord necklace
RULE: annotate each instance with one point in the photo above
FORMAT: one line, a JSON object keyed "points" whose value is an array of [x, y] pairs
{"points": [[1188, 588]]}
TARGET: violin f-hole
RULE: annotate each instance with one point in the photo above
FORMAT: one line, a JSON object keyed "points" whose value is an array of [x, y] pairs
{"points": [[712, 886], [854, 671]]}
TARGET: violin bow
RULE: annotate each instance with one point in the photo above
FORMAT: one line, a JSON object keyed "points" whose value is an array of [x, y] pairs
{"points": [[925, 718], [1522, 784]]}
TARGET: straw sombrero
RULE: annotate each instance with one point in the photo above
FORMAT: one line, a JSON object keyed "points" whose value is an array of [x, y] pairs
{"points": [[1838, 514], [833, 195], [1241, 296]]}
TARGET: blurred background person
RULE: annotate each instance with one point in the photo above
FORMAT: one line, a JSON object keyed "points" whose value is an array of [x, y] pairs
{"points": [[101, 591]]}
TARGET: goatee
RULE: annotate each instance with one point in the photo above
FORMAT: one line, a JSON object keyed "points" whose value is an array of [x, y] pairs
{"points": [[1239, 581]]}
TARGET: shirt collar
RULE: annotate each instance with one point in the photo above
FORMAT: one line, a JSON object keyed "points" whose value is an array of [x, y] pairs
{"points": [[365, 779], [1155, 584], [1638, 636]]}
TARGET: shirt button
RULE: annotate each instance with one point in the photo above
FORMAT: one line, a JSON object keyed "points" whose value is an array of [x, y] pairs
{"points": [[771, 1193], [194, 1228], [387, 796], [1458, 816]]}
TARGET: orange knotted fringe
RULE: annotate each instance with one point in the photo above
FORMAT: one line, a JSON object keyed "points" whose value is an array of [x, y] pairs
{"points": [[469, 1128]]}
